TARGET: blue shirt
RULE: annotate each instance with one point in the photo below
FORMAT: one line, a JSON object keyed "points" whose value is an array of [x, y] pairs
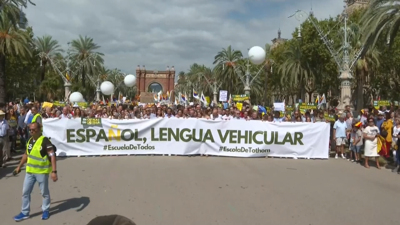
{"points": [[30, 118], [3, 128], [21, 119], [379, 124], [340, 128]]}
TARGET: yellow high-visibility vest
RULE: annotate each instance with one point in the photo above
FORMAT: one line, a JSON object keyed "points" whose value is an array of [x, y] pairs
{"points": [[34, 120], [36, 163]]}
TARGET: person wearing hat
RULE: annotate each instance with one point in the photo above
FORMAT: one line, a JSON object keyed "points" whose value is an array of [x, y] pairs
{"points": [[379, 120], [3, 135], [356, 141]]}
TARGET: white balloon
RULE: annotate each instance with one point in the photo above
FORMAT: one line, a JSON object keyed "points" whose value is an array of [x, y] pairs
{"points": [[130, 80], [76, 97], [257, 55], [107, 88]]}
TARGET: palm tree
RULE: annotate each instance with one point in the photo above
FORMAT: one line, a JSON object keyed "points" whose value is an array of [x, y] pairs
{"points": [[225, 68], [84, 54], [13, 9], [13, 41], [381, 18], [363, 66], [200, 76], [295, 69], [48, 48]]}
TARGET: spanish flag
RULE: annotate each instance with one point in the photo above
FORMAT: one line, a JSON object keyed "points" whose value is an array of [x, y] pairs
{"points": [[317, 100]]}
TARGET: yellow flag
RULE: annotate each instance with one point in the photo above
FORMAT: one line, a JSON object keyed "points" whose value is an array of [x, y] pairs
{"points": [[239, 106]]}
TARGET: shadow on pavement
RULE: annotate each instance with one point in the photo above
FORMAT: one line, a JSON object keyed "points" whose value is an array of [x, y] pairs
{"points": [[111, 219], [77, 204], [7, 172]]}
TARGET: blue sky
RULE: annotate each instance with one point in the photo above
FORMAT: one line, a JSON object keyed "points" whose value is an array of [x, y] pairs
{"points": [[178, 33]]}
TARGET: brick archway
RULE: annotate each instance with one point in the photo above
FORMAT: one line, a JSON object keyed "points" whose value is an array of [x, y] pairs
{"points": [[155, 87], [145, 78]]}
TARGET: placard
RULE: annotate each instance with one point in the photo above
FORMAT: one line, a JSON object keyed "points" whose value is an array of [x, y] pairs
{"points": [[91, 121], [223, 96], [147, 97]]}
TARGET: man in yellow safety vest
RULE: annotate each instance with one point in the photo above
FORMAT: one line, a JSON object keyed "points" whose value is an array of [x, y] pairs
{"points": [[37, 118], [40, 162]]}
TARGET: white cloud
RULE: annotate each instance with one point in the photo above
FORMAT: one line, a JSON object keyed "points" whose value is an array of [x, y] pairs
{"points": [[170, 32]]}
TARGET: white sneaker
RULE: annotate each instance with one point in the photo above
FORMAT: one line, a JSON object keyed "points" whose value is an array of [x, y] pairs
{"points": [[343, 156], [352, 160], [336, 156]]}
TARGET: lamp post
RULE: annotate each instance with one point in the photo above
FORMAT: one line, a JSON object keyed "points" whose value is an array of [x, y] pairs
{"points": [[345, 64], [214, 86], [269, 70], [67, 74]]}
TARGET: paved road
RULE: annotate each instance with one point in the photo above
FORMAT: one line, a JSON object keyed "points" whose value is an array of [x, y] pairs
{"points": [[213, 190]]}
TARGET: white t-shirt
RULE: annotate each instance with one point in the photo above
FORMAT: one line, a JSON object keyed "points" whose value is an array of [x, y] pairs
{"points": [[68, 116], [371, 131], [396, 131], [219, 117], [27, 116], [227, 117]]}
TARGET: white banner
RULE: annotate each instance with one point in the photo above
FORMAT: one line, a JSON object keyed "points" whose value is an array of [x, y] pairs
{"points": [[237, 138]]}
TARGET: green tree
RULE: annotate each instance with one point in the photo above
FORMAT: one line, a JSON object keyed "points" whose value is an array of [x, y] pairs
{"points": [[381, 18], [84, 54], [296, 69], [48, 48], [13, 11], [13, 41], [225, 62]]}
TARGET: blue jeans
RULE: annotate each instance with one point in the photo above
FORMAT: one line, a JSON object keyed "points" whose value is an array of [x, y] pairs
{"points": [[29, 183]]}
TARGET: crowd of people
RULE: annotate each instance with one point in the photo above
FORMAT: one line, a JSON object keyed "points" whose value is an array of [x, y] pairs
{"points": [[373, 131]]}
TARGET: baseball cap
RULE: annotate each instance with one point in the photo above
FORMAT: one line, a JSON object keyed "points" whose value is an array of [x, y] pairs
{"points": [[111, 220]]}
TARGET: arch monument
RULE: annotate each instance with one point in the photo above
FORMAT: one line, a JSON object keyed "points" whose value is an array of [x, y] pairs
{"points": [[154, 80]]}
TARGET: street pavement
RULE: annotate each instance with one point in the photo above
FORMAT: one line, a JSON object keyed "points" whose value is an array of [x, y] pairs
{"points": [[175, 190]]}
